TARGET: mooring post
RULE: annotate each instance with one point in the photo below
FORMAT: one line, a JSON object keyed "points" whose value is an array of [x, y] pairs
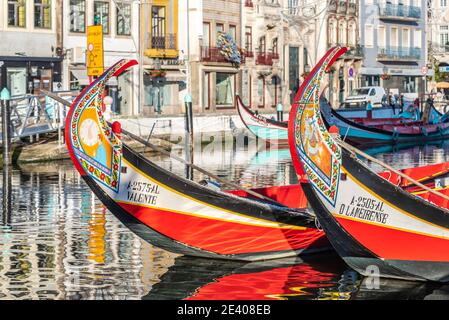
{"points": [[189, 135], [5, 96], [7, 195], [189, 116], [280, 112]]}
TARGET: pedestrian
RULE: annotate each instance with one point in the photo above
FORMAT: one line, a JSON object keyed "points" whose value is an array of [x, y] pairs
{"points": [[401, 102]]}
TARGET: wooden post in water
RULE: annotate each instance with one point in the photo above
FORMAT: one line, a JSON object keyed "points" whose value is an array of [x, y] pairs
{"points": [[5, 96], [7, 196], [189, 135]]}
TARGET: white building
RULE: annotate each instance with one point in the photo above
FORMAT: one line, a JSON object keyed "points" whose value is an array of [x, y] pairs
{"points": [[29, 59], [120, 20]]}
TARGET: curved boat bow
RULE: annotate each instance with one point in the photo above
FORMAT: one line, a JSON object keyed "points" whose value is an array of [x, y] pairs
{"points": [[375, 226], [171, 212]]}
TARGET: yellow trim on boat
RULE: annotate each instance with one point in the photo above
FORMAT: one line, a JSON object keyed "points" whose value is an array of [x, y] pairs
{"points": [[275, 225]]}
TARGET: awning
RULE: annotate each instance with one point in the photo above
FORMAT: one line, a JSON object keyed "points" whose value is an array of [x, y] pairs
{"points": [[443, 85], [83, 79], [81, 76]]}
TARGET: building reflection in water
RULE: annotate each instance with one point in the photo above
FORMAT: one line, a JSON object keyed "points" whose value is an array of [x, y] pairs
{"points": [[57, 241]]}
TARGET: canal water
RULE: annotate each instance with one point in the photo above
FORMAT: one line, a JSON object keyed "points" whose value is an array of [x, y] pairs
{"points": [[57, 241]]}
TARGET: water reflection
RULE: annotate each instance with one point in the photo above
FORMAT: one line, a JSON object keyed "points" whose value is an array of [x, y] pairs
{"points": [[57, 241], [315, 276]]}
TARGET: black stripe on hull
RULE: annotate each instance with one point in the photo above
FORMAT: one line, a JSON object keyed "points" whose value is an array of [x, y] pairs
{"points": [[374, 142], [159, 240], [352, 252], [248, 207], [279, 124]]}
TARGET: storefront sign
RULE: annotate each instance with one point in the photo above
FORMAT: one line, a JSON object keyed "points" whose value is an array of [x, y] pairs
{"points": [[95, 53], [351, 73], [444, 69]]}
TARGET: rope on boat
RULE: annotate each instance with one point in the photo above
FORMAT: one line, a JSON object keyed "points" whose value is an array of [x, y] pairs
{"points": [[211, 175], [386, 166], [165, 152]]}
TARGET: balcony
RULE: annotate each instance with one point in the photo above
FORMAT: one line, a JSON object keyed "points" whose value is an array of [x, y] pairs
{"points": [[399, 12], [249, 4], [213, 54], [249, 54], [398, 54], [354, 52], [163, 46], [264, 58], [438, 48]]}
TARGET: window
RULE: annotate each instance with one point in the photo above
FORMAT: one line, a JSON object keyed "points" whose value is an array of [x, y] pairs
{"points": [[381, 37], [341, 34], [332, 33], [17, 13], [369, 35], [224, 89], [405, 38], [78, 16], [101, 15], [233, 32], [417, 39], [42, 14], [352, 34], [261, 92], [444, 31], [262, 46], [443, 3], [206, 90], [275, 46], [248, 39], [394, 37], [158, 27], [123, 19], [206, 34]]}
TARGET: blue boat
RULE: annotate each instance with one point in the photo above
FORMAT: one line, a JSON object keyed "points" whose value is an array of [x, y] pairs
{"points": [[272, 131], [360, 134], [276, 132]]}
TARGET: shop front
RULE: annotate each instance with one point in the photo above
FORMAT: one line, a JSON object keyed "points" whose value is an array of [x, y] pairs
{"points": [[30, 75]]}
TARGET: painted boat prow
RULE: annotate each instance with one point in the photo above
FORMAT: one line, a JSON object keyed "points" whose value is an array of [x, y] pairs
{"points": [[264, 128], [173, 213], [375, 226]]}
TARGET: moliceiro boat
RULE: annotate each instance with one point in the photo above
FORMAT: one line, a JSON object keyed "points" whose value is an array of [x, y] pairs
{"points": [[374, 225], [273, 131], [385, 132], [174, 213]]}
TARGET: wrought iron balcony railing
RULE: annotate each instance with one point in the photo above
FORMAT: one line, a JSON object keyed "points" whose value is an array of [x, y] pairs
{"points": [[398, 53], [163, 42], [354, 52], [399, 11], [213, 54], [266, 58]]}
